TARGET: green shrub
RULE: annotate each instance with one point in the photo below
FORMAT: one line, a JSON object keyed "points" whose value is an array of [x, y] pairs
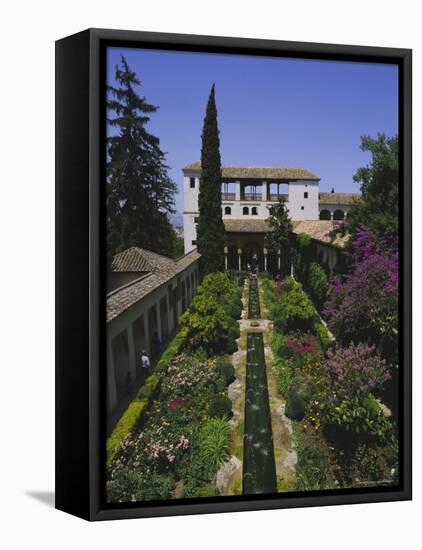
{"points": [[124, 486], [277, 341], [209, 490], [225, 370], [321, 332], [303, 386], [278, 315], [284, 375], [157, 487], [234, 330], [206, 323], [130, 485], [311, 469], [219, 286], [173, 349], [126, 424], [234, 306], [295, 407], [303, 240], [231, 346], [214, 443], [148, 388], [370, 463], [220, 407], [317, 284], [299, 309]]}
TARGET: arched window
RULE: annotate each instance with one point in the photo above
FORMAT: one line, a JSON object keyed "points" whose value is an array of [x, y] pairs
{"points": [[325, 215], [227, 210], [245, 211], [338, 215], [254, 211]]}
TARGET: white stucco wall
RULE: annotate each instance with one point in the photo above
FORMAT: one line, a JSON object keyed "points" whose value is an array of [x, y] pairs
{"points": [[301, 208], [118, 371]]}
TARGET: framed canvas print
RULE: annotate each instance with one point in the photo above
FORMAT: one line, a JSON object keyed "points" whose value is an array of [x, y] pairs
{"points": [[233, 274]]}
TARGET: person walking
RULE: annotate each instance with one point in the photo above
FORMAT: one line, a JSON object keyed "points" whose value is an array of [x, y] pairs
{"points": [[145, 360]]}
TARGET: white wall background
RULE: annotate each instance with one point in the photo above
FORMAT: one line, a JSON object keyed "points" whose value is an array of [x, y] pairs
{"points": [[27, 272]]}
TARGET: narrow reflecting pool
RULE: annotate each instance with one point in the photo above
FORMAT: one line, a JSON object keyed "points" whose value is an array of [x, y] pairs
{"points": [[254, 310], [259, 474]]}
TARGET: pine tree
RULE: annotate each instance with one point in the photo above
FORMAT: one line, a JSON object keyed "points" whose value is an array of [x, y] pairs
{"points": [[140, 194], [210, 231]]}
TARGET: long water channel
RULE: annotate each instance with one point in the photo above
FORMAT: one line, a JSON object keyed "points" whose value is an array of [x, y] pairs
{"points": [[259, 473]]}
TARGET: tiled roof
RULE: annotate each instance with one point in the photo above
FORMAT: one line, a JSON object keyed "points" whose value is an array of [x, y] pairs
{"points": [[138, 259], [317, 229], [259, 172], [247, 225], [124, 297], [338, 198]]}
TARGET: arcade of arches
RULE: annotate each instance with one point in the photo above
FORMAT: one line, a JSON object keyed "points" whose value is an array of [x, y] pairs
{"points": [[247, 251]]}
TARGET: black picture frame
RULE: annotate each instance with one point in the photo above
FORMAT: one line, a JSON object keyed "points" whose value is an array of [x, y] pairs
{"points": [[80, 271]]}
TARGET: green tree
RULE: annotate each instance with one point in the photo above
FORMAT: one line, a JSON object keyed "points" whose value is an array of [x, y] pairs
{"points": [[210, 231], [140, 194], [180, 248], [278, 238], [378, 208]]}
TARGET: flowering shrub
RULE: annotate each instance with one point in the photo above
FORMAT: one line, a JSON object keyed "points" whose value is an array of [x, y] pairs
{"points": [[176, 404], [301, 343], [188, 375], [346, 379], [364, 307]]}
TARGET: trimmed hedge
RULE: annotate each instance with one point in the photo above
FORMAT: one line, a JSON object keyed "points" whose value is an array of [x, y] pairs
{"points": [[226, 370], [132, 415], [173, 349], [295, 407], [126, 424], [220, 407]]}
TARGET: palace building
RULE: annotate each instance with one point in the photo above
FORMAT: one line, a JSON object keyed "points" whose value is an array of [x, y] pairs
{"points": [[247, 192]]}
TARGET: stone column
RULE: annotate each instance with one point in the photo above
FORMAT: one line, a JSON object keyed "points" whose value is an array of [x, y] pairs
{"points": [[265, 259], [264, 191], [132, 354], [111, 379], [237, 190], [279, 260], [226, 251], [239, 253], [157, 309]]}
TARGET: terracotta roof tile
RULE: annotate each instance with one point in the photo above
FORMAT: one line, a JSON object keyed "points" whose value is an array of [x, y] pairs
{"points": [[165, 269], [138, 259], [259, 172], [338, 198], [317, 229]]}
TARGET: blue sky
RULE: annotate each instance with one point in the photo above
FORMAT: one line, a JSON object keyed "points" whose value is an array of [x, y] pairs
{"points": [[271, 111]]}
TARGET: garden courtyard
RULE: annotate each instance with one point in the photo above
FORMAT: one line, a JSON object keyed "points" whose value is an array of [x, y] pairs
{"points": [[252, 396]]}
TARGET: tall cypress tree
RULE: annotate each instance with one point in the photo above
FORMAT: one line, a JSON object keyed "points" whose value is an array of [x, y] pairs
{"points": [[140, 194], [210, 232]]}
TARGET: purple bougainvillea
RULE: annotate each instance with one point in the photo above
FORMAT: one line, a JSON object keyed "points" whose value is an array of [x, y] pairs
{"points": [[346, 380], [363, 306]]}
